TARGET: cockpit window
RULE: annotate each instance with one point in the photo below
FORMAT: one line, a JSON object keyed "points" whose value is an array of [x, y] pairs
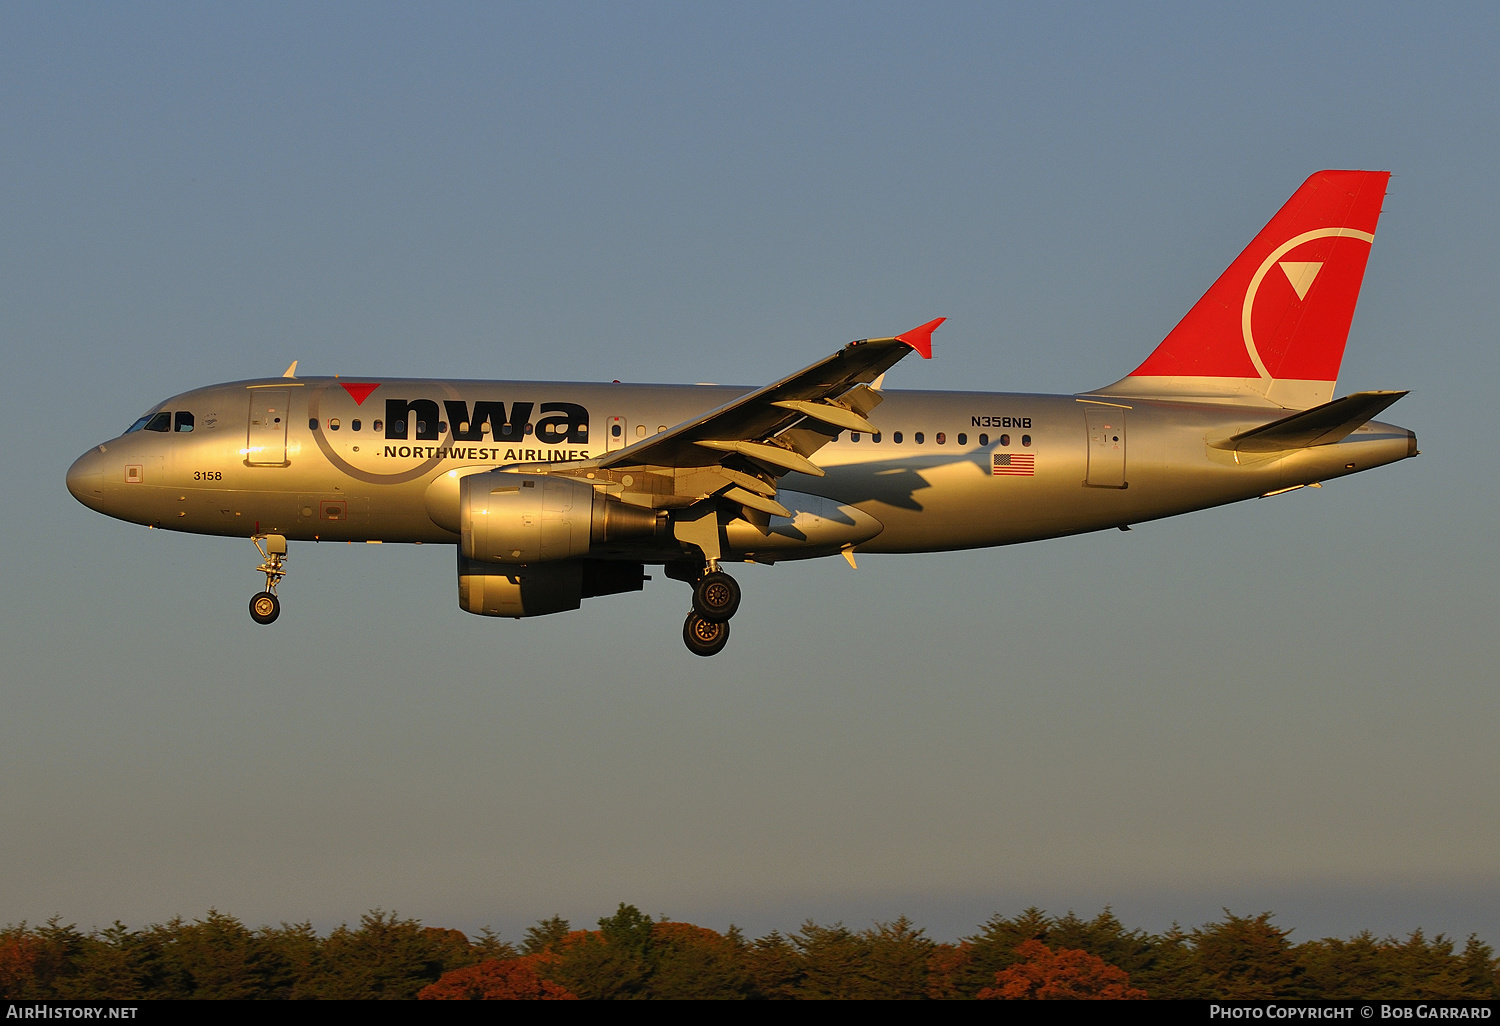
{"points": [[184, 421], [132, 429], [161, 422]]}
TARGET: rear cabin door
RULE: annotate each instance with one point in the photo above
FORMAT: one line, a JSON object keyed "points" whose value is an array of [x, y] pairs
{"points": [[1106, 446], [265, 442]]}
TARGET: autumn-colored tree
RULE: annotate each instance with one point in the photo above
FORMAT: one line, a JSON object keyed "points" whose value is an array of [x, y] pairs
{"points": [[19, 951], [46, 958], [1065, 974], [1105, 936], [611, 963], [514, 979], [994, 948], [630, 956], [693, 962]]}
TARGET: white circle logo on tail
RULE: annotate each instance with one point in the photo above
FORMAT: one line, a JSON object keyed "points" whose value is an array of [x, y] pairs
{"points": [[1300, 273]]}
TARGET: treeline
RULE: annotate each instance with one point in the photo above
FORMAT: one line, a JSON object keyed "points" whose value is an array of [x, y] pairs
{"points": [[1031, 955]]}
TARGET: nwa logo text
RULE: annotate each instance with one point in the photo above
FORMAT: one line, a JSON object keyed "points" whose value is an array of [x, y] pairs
{"points": [[561, 423]]}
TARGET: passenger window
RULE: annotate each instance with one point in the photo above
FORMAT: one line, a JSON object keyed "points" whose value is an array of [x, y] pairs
{"points": [[354, 425], [184, 420], [421, 428], [614, 429], [963, 439], [941, 438], [918, 437], [854, 436], [1026, 440], [333, 425], [529, 429], [312, 424], [660, 428], [640, 431], [875, 437], [377, 425], [161, 422], [984, 439], [896, 437], [442, 427], [1005, 439]]}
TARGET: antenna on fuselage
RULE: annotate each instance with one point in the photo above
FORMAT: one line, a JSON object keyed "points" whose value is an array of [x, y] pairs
{"points": [[291, 372]]}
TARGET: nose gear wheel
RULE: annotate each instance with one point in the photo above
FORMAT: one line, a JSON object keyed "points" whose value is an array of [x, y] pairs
{"points": [[265, 608]]}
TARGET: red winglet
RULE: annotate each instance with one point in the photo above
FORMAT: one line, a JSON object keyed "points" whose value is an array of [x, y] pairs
{"points": [[920, 338]]}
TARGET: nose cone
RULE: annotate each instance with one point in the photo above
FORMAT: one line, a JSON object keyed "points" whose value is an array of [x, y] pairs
{"points": [[86, 479]]}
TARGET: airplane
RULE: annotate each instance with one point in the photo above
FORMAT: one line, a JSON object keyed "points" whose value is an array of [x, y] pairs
{"points": [[555, 492]]}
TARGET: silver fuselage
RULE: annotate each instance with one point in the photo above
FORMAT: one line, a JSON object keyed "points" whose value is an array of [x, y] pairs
{"points": [[263, 457]]}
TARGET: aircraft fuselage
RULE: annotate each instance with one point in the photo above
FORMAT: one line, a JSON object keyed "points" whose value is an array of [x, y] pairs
{"points": [[301, 458]]}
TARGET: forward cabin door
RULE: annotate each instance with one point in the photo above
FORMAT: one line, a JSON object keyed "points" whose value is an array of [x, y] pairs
{"points": [[1106, 446], [265, 442]]}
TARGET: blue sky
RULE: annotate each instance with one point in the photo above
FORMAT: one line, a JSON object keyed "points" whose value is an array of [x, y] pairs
{"points": [[1287, 704]]}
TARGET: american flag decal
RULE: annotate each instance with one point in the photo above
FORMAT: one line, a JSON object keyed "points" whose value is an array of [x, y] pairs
{"points": [[1014, 464]]}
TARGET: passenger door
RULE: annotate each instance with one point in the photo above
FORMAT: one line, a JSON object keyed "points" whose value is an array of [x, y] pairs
{"points": [[1106, 426], [265, 440]]}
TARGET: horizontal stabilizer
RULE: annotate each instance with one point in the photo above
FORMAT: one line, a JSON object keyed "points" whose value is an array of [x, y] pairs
{"points": [[1321, 425]]}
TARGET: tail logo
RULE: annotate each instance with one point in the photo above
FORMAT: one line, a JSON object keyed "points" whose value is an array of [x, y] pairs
{"points": [[1299, 273]]}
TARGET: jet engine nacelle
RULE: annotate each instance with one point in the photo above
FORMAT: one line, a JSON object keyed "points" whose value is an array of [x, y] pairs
{"points": [[525, 519], [494, 589]]}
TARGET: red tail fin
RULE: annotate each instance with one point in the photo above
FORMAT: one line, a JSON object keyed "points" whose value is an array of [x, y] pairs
{"points": [[1274, 325]]}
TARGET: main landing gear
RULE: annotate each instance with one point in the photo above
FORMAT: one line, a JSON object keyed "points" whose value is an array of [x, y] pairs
{"points": [[716, 598], [265, 607]]}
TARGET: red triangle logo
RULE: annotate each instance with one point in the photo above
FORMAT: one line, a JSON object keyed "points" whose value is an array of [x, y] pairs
{"points": [[359, 392]]}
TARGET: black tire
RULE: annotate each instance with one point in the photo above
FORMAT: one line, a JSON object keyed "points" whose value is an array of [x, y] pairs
{"points": [[265, 608], [705, 637], [716, 596]]}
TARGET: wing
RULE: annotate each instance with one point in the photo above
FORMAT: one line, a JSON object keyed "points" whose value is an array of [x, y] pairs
{"points": [[778, 427], [727, 462]]}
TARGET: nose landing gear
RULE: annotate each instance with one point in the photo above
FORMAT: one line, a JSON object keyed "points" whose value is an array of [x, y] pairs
{"points": [[716, 598], [265, 607]]}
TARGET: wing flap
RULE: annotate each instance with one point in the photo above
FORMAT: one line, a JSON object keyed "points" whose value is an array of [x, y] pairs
{"points": [[764, 453]]}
